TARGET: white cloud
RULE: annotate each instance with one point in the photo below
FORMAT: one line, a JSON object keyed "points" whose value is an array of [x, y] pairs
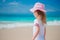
{"points": [[50, 8], [15, 7], [13, 3], [3, 0]]}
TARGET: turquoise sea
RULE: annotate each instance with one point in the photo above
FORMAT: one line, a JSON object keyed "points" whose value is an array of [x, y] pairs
{"points": [[51, 16], [11, 20]]}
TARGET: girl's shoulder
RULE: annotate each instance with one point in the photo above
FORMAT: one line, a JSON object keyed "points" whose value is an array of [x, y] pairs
{"points": [[35, 20]]}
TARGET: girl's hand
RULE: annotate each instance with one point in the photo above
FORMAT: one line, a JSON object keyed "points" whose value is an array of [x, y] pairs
{"points": [[33, 39]]}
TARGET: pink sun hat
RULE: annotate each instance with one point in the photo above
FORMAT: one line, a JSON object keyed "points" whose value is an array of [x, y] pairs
{"points": [[38, 6]]}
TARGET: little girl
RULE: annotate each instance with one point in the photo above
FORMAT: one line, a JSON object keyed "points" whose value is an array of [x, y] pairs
{"points": [[39, 29]]}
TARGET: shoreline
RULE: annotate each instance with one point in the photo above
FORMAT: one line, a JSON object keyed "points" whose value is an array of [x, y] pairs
{"points": [[24, 24]]}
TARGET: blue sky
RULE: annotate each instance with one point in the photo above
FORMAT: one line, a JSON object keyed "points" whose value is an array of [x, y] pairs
{"points": [[23, 6]]}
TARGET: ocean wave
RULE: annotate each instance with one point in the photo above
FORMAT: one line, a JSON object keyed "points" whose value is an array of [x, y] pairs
{"points": [[55, 22], [13, 24]]}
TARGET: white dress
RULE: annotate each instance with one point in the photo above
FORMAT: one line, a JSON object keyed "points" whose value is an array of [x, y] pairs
{"points": [[40, 36]]}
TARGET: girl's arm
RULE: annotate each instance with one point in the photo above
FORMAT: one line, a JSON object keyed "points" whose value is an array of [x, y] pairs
{"points": [[37, 32]]}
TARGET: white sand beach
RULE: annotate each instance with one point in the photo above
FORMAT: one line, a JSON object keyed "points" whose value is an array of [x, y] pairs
{"points": [[25, 33]]}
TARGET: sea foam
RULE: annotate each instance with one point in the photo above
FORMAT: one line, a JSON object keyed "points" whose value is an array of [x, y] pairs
{"points": [[13, 24]]}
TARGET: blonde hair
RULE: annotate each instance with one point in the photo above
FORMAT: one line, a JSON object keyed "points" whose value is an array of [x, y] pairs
{"points": [[43, 15]]}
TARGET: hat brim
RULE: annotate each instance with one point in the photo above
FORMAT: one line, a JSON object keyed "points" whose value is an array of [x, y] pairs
{"points": [[32, 10]]}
